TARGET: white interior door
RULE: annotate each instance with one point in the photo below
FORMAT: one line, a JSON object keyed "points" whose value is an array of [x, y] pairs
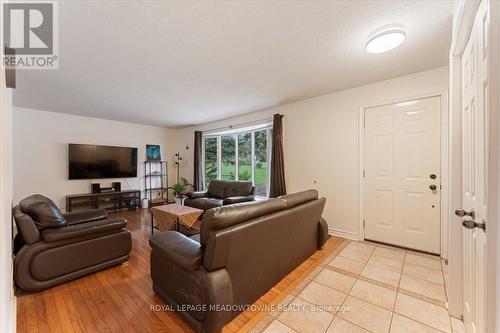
{"points": [[474, 171], [402, 174]]}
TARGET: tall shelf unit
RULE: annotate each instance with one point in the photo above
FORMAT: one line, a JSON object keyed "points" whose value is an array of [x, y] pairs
{"points": [[156, 182]]}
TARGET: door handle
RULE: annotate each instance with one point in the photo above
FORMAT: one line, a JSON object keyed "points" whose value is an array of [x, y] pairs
{"points": [[433, 187], [471, 224], [461, 213]]}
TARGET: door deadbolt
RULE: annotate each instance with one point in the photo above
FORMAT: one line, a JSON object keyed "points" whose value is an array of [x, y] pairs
{"points": [[433, 176], [462, 213], [433, 187]]}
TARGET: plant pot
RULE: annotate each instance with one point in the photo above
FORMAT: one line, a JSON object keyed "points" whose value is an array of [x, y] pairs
{"points": [[179, 201]]}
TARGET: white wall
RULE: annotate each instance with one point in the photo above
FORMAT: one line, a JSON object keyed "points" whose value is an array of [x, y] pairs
{"points": [[7, 298], [321, 141], [321, 144], [41, 150]]}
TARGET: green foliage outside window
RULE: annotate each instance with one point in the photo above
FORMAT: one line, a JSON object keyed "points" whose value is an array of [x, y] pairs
{"points": [[228, 157]]}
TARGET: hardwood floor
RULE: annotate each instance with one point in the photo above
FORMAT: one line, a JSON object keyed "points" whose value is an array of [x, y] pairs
{"points": [[119, 299]]}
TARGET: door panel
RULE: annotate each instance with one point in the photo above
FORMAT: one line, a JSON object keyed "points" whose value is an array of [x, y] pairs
{"points": [[474, 169], [384, 208], [402, 150]]}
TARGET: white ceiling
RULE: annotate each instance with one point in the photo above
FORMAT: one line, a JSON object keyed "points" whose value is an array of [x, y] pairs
{"points": [[181, 63]]}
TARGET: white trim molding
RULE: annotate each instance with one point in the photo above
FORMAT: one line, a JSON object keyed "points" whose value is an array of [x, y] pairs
{"points": [[345, 234], [7, 296], [493, 235]]}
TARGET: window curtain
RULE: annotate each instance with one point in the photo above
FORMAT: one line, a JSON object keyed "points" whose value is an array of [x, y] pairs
{"points": [[277, 186], [198, 158]]}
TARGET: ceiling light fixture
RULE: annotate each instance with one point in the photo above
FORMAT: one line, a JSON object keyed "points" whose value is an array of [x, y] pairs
{"points": [[385, 39]]}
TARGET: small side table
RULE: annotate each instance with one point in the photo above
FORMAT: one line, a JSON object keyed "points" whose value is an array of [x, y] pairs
{"points": [[167, 216]]}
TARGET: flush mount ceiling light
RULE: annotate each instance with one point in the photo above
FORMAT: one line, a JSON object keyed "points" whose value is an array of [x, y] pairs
{"points": [[385, 39]]}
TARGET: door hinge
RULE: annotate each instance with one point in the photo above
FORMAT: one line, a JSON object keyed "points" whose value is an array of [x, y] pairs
{"points": [[364, 122], [364, 224], [364, 173]]}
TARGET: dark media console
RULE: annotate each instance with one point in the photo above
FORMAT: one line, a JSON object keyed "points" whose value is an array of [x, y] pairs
{"points": [[112, 200]]}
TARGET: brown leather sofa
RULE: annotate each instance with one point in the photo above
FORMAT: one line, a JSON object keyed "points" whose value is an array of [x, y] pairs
{"points": [[53, 248], [243, 250], [221, 193]]}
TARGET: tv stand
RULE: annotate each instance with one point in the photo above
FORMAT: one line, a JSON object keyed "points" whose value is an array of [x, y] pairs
{"points": [[111, 201]]}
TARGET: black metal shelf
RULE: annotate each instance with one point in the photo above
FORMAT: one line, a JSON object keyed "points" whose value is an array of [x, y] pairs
{"points": [[155, 182]]}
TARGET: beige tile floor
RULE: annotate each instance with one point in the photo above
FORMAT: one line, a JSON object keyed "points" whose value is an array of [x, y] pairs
{"points": [[368, 287]]}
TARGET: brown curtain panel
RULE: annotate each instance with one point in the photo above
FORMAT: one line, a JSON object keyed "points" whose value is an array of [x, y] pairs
{"points": [[277, 186], [198, 158]]}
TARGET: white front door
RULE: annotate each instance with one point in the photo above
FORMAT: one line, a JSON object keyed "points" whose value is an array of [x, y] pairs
{"points": [[474, 173], [402, 174]]}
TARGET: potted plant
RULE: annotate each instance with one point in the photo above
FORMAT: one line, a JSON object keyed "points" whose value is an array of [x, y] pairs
{"points": [[179, 189]]}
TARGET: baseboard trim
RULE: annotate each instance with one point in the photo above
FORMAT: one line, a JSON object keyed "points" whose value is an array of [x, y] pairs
{"points": [[344, 234]]}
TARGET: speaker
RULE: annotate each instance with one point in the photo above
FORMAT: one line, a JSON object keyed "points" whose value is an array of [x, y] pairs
{"points": [[117, 186], [96, 188]]}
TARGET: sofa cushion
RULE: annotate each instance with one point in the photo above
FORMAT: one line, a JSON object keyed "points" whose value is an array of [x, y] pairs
{"points": [[226, 216], [203, 203], [195, 203], [85, 229], [216, 188], [299, 198], [212, 203], [237, 188], [85, 216], [43, 211], [235, 200]]}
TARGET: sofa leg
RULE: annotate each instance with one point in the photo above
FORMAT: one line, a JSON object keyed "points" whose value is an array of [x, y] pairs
{"points": [[125, 263]]}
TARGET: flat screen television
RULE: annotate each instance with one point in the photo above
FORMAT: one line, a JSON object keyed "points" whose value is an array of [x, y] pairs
{"points": [[94, 162]]}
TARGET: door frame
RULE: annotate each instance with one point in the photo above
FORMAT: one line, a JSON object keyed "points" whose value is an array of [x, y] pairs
{"points": [[493, 281], [493, 236], [443, 163], [463, 23]]}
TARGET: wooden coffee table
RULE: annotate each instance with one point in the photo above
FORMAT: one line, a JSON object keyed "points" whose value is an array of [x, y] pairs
{"points": [[167, 216]]}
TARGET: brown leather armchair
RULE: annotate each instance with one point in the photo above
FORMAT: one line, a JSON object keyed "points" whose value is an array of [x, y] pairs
{"points": [[53, 248], [221, 193], [242, 251]]}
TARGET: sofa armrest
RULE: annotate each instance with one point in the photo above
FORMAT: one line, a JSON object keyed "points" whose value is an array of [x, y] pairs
{"points": [[323, 235], [178, 249], [234, 200], [84, 229], [26, 228], [85, 216], [197, 194]]}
